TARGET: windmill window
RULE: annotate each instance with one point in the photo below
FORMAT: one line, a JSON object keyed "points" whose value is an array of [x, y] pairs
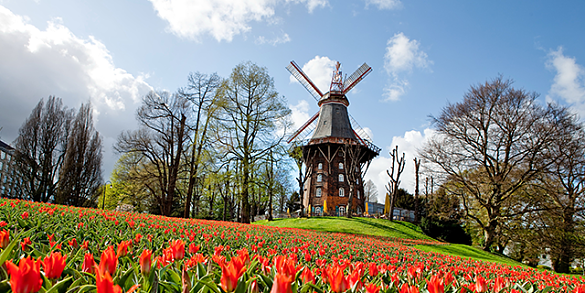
{"points": [[341, 192], [320, 166], [318, 192], [341, 178], [341, 211], [319, 177], [340, 166]]}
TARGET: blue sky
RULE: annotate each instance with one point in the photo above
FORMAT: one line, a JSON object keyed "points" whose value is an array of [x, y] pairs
{"points": [[424, 54]]}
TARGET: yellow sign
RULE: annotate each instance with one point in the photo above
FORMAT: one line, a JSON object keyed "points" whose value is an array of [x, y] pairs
{"points": [[325, 206]]}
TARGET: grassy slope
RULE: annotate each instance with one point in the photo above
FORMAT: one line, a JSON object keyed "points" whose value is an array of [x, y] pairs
{"points": [[384, 228]]}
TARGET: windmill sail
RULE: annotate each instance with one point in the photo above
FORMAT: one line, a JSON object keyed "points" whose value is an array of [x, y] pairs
{"points": [[298, 73], [356, 77]]}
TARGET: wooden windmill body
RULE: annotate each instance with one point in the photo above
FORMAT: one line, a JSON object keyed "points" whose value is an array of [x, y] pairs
{"points": [[336, 152]]}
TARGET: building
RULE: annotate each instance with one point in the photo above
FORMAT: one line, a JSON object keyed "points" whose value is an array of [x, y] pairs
{"points": [[336, 156], [6, 160]]}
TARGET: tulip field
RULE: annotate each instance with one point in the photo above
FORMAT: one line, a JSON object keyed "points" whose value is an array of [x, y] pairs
{"points": [[52, 248]]}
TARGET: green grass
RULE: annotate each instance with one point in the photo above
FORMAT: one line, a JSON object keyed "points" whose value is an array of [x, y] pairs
{"points": [[385, 228], [363, 226], [469, 252]]}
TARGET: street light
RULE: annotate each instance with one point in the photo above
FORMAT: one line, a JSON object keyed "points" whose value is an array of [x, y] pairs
{"points": [[104, 198]]}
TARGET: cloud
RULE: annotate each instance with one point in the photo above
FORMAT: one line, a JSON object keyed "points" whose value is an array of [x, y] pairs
{"points": [[311, 4], [402, 56], [569, 81], [222, 19], [320, 71], [384, 4], [274, 41], [36, 63], [407, 144], [299, 114]]}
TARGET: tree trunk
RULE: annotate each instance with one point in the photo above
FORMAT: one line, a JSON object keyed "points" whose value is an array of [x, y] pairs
{"points": [[350, 198]]}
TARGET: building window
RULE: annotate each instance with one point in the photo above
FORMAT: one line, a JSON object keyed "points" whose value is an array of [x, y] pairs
{"points": [[319, 177], [318, 193], [341, 191], [318, 211], [340, 166], [340, 177], [320, 166], [341, 211]]}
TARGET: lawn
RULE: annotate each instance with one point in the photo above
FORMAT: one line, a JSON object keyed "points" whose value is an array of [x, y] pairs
{"points": [[384, 228]]}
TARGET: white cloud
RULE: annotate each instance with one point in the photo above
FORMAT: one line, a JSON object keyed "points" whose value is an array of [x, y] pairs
{"points": [[300, 114], [320, 71], [569, 81], [222, 19], [384, 4], [402, 56], [284, 38], [407, 144], [311, 4], [36, 63]]}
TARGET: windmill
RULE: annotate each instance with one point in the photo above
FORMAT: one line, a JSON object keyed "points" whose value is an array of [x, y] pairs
{"points": [[324, 139]]}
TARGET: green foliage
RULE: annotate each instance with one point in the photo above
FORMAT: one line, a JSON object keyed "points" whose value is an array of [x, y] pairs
{"points": [[446, 230]]}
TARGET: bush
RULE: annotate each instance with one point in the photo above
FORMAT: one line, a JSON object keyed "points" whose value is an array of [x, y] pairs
{"points": [[445, 230]]}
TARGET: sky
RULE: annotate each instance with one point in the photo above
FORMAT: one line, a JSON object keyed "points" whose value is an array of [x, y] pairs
{"points": [[424, 55]]}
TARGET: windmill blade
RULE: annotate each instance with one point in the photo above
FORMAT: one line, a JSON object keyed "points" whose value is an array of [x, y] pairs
{"points": [[356, 77], [363, 136], [303, 128], [298, 73]]}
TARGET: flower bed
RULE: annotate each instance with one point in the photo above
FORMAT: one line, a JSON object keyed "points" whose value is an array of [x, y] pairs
{"points": [[52, 248]]}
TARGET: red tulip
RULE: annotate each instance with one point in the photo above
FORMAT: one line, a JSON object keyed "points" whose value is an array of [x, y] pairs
{"points": [[123, 248], [178, 248], [231, 272], [73, 243], [371, 288], [108, 261], [105, 284], [307, 276], [4, 238], [373, 269], [193, 248], [408, 289], [24, 215], [54, 265], [88, 264], [146, 262], [336, 279], [480, 284], [435, 285], [579, 289], [282, 283], [26, 277], [25, 242]]}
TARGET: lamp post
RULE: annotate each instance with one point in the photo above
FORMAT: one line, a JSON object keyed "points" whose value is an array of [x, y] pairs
{"points": [[104, 198]]}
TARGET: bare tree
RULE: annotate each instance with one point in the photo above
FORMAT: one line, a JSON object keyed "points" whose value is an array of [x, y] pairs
{"points": [[81, 175], [201, 92], [491, 144], [252, 113], [370, 191], [302, 157], [353, 161], [395, 171], [40, 150], [416, 191], [159, 143]]}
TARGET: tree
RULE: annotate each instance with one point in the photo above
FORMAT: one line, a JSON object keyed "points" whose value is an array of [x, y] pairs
{"points": [[370, 191], [252, 113], [158, 145], [395, 171], [490, 145], [353, 162], [201, 91], [81, 174], [559, 221], [40, 150]]}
